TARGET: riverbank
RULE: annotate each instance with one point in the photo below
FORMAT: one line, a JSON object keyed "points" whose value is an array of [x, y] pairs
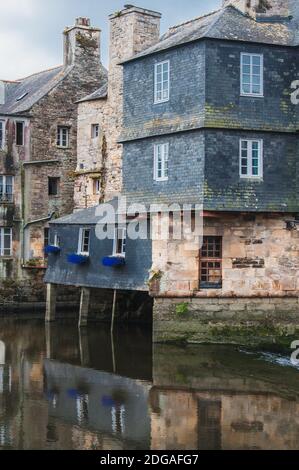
{"points": [[270, 323]]}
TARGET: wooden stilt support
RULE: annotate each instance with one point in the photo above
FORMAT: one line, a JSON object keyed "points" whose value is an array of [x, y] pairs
{"points": [[113, 311], [84, 347], [84, 306], [51, 302]]}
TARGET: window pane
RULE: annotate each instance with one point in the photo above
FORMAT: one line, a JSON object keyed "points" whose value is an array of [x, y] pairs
{"points": [[20, 133], [256, 89], [246, 88], [256, 60], [256, 80], [162, 82], [7, 242], [246, 59]]}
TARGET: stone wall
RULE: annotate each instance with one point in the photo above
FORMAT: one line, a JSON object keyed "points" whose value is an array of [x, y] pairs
{"points": [[259, 259], [270, 323], [26, 297], [40, 158], [11, 159], [262, 8], [92, 157]]}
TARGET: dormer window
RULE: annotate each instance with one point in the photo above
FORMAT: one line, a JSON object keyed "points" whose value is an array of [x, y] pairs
{"points": [[21, 97], [252, 75], [63, 136], [162, 79]]}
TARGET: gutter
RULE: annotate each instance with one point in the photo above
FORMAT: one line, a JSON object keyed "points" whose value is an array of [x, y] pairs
{"points": [[32, 222], [40, 162]]}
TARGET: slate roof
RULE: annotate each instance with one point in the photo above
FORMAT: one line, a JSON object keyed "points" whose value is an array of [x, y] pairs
{"points": [[86, 216], [229, 24], [99, 94], [35, 87]]}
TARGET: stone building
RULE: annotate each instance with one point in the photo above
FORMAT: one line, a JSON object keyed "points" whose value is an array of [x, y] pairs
{"points": [[100, 115], [208, 121], [38, 149]]}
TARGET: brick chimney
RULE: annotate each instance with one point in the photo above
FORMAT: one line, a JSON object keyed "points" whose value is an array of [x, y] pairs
{"points": [[265, 8], [81, 41]]}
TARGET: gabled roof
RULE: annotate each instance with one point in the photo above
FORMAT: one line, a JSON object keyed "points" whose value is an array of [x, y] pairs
{"points": [[21, 95], [99, 94], [228, 24]]}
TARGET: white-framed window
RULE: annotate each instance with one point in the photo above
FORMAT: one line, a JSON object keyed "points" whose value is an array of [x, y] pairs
{"points": [[56, 240], [6, 188], [251, 158], [84, 241], [5, 241], [20, 135], [252, 74], [161, 158], [119, 244], [162, 81], [2, 134], [95, 131], [97, 186], [63, 136]]}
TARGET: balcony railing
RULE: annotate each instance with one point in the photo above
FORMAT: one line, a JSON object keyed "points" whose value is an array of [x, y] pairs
{"points": [[6, 198]]}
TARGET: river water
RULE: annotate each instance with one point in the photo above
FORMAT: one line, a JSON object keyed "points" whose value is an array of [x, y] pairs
{"points": [[65, 389]]}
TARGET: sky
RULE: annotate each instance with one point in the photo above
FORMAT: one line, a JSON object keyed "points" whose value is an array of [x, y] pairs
{"points": [[31, 30]]}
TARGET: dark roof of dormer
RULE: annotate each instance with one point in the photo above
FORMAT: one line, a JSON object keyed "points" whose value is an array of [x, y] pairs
{"points": [[99, 94]]}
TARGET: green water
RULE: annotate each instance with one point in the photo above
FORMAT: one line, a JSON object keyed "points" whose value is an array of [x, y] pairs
{"points": [[65, 389]]}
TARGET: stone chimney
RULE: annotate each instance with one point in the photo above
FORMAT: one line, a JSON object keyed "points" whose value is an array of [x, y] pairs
{"points": [[2, 92], [132, 30], [81, 41], [265, 8]]}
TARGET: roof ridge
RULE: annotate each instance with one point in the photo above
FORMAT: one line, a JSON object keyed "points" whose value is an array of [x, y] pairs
{"points": [[39, 73], [193, 19], [221, 12], [9, 81]]}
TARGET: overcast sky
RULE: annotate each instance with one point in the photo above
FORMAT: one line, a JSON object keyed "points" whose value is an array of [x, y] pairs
{"points": [[31, 30]]}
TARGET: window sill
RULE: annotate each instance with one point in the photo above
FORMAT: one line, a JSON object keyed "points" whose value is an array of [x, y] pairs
{"points": [[249, 95], [162, 101], [161, 180], [257, 179], [207, 286], [63, 148], [34, 267]]}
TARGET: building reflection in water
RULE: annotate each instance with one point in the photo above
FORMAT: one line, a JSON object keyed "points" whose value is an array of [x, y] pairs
{"points": [[61, 388]]}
